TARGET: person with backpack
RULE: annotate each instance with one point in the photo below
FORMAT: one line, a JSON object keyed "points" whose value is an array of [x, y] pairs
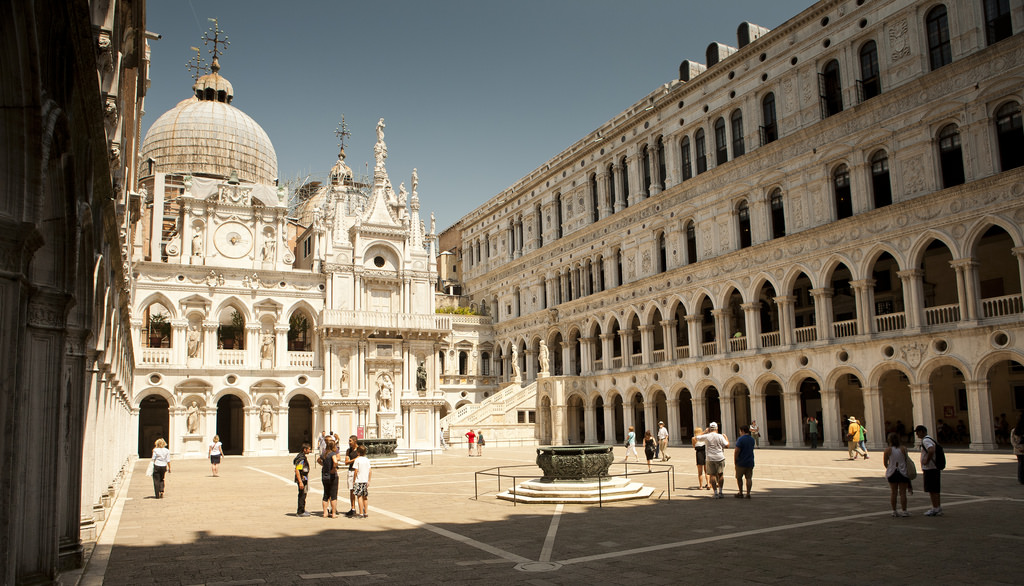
{"points": [[329, 476], [302, 479], [933, 460]]}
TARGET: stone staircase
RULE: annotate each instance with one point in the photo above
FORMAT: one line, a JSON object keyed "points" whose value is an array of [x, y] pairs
{"points": [[577, 492], [499, 408]]}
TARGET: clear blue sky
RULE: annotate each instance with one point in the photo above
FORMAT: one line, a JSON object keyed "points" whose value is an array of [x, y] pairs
{"points": [[475, 93]]}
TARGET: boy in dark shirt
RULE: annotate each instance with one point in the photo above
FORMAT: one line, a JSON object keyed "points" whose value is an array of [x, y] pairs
{"points": [[302, 479]]}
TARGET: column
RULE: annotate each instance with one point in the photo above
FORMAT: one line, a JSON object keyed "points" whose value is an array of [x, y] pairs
{"points": [[626, 337], [209, 349], [786, 321], [979, 401], [635, 178], [675, 434], [728, 423], [794, 427], [281, 346], [610, 433], [672, 161], [654, 162], [864, 297], [531, 365], [823, 312], [873, 409], [923, 409], [252, 345], [759, 412], [693, 323], [179, 341], [589, 423], [913, 297], [647, 343], [627, 418], [668, 333], [620, 189], [604, 208], [721, 330], [607, 348], [830, 413], [1018, 252], [752, 317], [967, 288]]}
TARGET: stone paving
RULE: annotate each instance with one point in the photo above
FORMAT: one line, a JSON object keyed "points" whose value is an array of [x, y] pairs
{"points": [[814, 517]]}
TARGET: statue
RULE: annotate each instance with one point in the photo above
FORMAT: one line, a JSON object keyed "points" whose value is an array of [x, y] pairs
{"points": [[385, 392], [267, 350], [433, 224], [193, 341], [415, 181], [344, 375], [192, 420], [268, 249], [517, 373], [403, 194], [380, 150], [543, 356], [266, 417], [380, 130], [197, 244], [421, 378]]}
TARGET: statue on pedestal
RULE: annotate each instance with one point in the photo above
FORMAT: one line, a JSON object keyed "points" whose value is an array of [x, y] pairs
{"points": [[194, 337], [385, 392], [266, 417], [267, 350], [543, 356], [421, 378], [192, 419], [517, 372]]}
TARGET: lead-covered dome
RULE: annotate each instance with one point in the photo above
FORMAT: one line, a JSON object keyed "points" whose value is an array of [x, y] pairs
{"points": [[205, 135]]}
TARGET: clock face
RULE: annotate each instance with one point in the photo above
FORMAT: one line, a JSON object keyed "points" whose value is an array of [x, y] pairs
{"points": [[233, 240]]}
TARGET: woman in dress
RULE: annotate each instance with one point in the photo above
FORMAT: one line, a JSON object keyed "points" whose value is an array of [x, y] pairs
{"points": [[215, 452], [631, 445], [895, 460], [700, 448], [649, 447], [161, 466]]}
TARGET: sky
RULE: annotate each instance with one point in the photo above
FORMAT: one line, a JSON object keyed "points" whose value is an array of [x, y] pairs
{"points": [[475, 94]]}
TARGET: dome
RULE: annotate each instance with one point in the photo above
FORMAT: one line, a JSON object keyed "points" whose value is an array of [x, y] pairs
{"points": [[205, 135]]}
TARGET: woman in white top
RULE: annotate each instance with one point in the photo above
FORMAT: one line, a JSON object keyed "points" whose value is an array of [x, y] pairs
{"points": [[700, 450], [631, 445], [895, 460], [161, 466], [215, 452]]}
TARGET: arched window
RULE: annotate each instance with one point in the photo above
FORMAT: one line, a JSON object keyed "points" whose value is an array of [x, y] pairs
{"points": [[881, 186], [939, 51], [743, 220], [618, 267], [662, 254], [485, 364], [660, 152], [684, 149], [691, 243], [701, 151], [540, 225], [299, 334], [778, 215], [841, 189], [997, 20], [831, 89], [558, 215], [721, 145], [738, 146], [951, 156], [611, 187], [595, 212], [870, 83], [645, 169], [625, 182], [1011, 136], [770, 129], [463, 362]]}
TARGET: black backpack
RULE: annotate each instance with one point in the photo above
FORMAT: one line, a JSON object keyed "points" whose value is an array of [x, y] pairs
{"points": [[940, 454]]}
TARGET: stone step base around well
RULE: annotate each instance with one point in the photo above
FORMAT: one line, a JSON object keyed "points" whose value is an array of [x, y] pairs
{"points": [[583, 492], [392, 462]]}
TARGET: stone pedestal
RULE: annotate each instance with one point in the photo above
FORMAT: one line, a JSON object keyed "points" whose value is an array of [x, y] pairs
{"points": [[386, 425], [193, 446], [267, 441]]}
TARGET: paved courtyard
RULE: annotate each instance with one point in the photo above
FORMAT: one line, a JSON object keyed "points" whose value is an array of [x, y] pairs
{"points": [[815, 517]]}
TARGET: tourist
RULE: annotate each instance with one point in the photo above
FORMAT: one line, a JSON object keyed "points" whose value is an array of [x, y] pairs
{"points": [[700, 449], [302, 479], [812, 431], [215, 451], [755, 432], [663, 442], [444, 446], [650, 448], [743, 459], [480, 443], [472, 440], [350, 458], [329, 476], [895, 460], [1017, 440], [161, 466], [631, 445], [862, 438], [932, 474], [853, 440], [362, 488], [716, 444]]}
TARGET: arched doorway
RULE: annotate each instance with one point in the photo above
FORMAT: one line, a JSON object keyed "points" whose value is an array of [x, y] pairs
{"points": [[620, 421], [810, 406], [773, 428], [851, 403], [714, 406], [741, 405], [638, 416], [949, 400], [599, 411], [896, 402], [685, 414], [231, 424], [154, 423], [1006, 391], [300, 422], [575, 427]]}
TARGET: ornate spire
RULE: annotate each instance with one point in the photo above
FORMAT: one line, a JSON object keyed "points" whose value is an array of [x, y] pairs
{"points": [[197, 65], [219, 38]]}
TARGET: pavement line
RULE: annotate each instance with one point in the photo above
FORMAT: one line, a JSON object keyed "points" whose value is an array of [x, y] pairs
{"points": [[549, 541], [420, 524], [723, 537]]}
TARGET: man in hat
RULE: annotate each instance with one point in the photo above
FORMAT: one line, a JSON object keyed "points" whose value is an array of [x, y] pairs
{"points": [[716, 444], [853, 440], [663, 441]]}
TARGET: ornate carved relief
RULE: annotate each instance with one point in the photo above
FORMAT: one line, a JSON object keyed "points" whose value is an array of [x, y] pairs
{"points": [[899, 40]]}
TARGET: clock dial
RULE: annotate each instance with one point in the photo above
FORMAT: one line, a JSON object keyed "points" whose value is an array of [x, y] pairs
{"points": [[234, 240]]}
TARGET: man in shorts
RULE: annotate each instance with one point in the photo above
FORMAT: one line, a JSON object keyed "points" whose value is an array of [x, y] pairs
{"points": [[350, 458], [932, 478], [743, 458], [663, 441], [716, 444]]}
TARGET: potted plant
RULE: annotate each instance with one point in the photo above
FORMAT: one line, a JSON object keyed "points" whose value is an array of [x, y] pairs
{"points": [[159, 329]]}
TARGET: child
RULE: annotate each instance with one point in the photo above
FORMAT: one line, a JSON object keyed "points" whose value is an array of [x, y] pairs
{"points": [[362, 488]]}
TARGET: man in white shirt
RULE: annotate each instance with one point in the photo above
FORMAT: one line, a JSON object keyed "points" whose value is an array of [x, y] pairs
{"points": [[663, 441], [716, 444]]}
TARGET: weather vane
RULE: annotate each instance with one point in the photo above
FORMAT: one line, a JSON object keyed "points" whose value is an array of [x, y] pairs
{"points": [[216, 40], [196, 64], [342, 133]]}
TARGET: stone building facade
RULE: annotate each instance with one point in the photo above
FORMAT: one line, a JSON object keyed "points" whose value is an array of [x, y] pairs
{"points": [[821, 221], [74, 76]]}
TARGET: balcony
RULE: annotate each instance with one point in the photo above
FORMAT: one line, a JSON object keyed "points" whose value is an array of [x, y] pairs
{"points": [[771, 339], [737, 344], [682, 352], [1000, 306], [156, 356], [890, 322], [709, 348], [942, 314], [380, 320], [806, 334], [231, 357], [300, 359], [842, 329]]}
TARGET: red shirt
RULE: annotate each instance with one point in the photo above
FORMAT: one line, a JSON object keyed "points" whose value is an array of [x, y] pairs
{"points": [[472, 437]]}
